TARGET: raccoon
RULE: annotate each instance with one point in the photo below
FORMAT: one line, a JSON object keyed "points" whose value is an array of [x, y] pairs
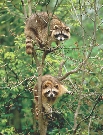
{"points": [[44, 28], [51, 90]]}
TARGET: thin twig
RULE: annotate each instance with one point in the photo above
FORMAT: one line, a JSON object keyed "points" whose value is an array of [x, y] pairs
{"points": [[76, 114], [75, 11], [24, 9], [16, 76], [92, 45], [60, 68], [86, 118], [30, 78], [90, 121], [30, 7], [83, 73], [15, 6], [34, 55]]}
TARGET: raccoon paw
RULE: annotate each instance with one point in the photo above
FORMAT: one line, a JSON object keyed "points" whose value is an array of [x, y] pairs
{"points": [[48, 116]]}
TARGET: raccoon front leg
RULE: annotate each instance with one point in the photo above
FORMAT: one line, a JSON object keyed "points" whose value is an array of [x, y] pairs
{"points": [[57, 43], [51, 49], [47, 109]]}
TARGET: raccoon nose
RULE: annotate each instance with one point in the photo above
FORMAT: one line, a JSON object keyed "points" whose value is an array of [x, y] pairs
{"points": [[60, 39], [51, 95]]}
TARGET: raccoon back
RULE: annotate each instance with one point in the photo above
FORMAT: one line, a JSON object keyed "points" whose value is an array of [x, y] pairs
{"points": [[40, 27]]}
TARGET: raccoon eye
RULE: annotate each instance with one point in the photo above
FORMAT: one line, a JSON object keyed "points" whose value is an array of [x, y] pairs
{"points": [[56, 93], [56, 27], [56, 86], [47, 92], [67, 29]]}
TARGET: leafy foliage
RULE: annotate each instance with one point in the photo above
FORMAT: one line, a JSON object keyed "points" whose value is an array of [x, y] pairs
{"points": [[18, 71]]}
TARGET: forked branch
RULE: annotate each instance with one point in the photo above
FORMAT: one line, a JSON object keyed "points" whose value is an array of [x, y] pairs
{"points": [[74, 71]]}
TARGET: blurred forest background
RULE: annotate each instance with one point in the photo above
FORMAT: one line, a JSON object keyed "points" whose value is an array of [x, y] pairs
{"points": [[81, 56]]}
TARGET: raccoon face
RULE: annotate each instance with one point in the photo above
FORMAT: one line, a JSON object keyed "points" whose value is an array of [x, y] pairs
{"points": [[50, 90], [61, 33]]}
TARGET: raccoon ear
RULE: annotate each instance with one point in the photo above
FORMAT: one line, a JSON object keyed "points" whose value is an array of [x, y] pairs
{"points": [[56, 27], [45, 86], [67, 29], [56, 86]]}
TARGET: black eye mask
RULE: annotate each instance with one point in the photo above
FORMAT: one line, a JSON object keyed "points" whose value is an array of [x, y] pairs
{"points": [[61, 37]]}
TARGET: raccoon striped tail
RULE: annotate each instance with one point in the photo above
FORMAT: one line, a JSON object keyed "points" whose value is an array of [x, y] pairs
{"points": [[29, 46]]}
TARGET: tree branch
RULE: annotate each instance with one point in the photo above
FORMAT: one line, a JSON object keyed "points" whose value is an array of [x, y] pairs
{"points": [[30, 7], [97, 101], [74, 71], [24, 9], [16, 76], [40, 65], [90, 121], [60, 68], [34, 55], [76, 114], [15, 6]]}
